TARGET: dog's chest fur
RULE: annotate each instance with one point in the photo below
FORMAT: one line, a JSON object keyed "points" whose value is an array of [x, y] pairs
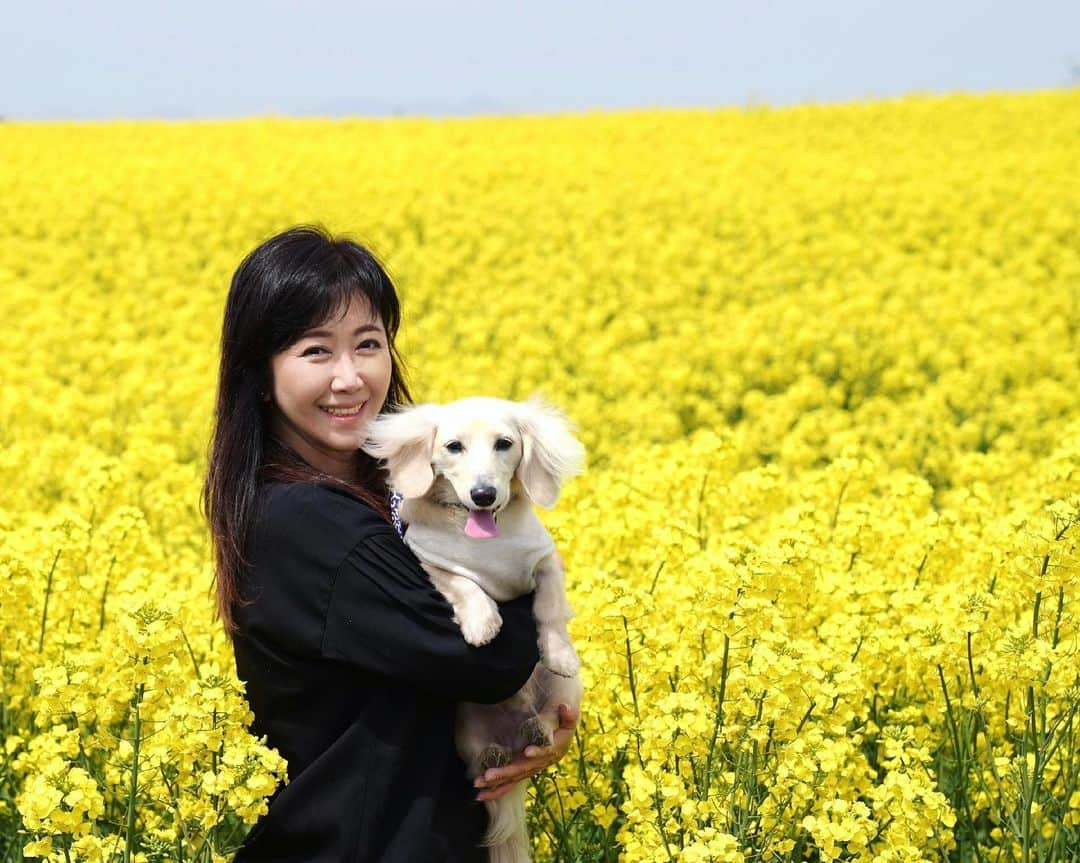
{"points": [[503, 566]]}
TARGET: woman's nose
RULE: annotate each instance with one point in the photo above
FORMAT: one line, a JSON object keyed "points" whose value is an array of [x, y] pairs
{"points": [[346, 374]]}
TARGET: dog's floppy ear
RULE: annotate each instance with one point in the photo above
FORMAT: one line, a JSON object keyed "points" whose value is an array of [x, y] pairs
{"points": [[549, 451], [405, 440]]}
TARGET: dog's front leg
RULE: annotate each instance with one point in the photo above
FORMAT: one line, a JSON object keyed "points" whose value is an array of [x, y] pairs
{"points": [[552, 611], [474, 611]]}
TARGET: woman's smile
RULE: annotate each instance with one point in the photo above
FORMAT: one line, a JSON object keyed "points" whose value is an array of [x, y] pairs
{"points": [[317, 383], [344, 414]]}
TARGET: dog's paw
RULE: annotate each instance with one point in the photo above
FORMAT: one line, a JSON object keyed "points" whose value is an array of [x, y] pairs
{"points": [[560, 658], [533, 732], [480, 627], [494, 755]]}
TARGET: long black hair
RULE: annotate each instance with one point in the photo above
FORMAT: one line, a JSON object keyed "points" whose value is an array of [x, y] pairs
{"points": [[294, 281]]}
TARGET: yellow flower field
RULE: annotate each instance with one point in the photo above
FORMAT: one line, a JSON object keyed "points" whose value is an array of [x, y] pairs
{"points": [[826, 363]]}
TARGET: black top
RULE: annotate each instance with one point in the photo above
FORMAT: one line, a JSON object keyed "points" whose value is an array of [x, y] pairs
{"points": [[353, 666]]}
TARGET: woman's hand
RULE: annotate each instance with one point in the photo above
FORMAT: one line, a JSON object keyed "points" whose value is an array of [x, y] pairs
{"points": [[497, 781]]}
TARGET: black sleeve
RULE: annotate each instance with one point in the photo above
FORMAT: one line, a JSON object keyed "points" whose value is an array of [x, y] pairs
{"points": [[386, 616]]}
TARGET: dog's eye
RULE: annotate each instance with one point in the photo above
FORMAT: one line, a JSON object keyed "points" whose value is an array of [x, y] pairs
{"points": [[454, 446], [503, 443]]}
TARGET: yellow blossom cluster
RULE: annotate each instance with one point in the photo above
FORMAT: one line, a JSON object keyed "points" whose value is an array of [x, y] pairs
{"points": [[826, 363]]}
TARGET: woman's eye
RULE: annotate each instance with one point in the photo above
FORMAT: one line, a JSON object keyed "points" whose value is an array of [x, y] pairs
{"points": [[454, 446], [307, 351], [503, 444], [371, 344]]}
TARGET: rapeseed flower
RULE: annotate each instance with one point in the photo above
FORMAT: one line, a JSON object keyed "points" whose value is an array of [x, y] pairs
{"points": [[825, 362]]}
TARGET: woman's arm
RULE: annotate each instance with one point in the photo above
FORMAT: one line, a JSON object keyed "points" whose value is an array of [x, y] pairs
{"points": [[385, 616]]}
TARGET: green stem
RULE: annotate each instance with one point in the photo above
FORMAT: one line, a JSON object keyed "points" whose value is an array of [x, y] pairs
{"points": [[558, 823], [702, 523], [961, 763], [630, 668], [191, 653], [129, 847], [660, 824], [45, 608], [105, 594], [1027, 791], [971, 667], [656, 575], [633, 692], [1057, 616], [718, 721], [839, 500], [174, 795]]}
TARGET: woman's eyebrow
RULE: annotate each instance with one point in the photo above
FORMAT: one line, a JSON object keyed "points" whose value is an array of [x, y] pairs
{"points": [[326, 333]]}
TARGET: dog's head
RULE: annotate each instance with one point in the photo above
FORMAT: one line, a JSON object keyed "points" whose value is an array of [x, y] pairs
{"points": [[479, 447]]}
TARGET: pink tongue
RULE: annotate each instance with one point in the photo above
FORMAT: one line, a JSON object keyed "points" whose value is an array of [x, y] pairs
{"points": [[481, 524]]}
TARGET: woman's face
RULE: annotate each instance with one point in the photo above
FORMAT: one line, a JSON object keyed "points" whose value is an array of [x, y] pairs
{"points": [[342, 364]]}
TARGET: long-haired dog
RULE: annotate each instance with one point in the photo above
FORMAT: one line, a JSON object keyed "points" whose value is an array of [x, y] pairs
{"points": [[469, 472]]}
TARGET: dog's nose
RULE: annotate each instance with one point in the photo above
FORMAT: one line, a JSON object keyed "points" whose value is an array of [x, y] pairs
{"points": [[483, 495]]}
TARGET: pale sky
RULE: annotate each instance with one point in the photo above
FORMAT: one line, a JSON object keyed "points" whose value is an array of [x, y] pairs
{"points": [[234, 58]]}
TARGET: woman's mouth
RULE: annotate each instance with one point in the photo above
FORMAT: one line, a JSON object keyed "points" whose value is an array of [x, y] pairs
{"points": [[343, 415]]}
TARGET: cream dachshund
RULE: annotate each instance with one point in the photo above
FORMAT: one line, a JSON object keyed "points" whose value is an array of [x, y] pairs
{"points": [[469, 472]]}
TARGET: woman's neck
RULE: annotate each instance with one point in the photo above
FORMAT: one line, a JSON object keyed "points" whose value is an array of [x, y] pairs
{"points": [[340, 465]]}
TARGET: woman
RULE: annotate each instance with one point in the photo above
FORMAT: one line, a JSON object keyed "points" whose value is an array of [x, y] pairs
{"points": [[351, 659]]}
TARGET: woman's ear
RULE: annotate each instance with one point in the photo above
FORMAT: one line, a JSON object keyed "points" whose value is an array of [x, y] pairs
{"points": [[549, 451], [404, 440]]}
